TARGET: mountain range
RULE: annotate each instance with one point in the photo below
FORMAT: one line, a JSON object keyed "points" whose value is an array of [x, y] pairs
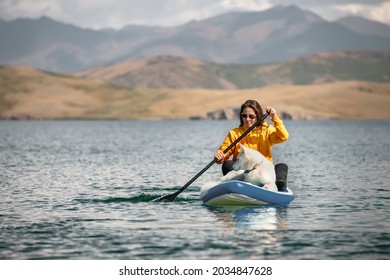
{"points": [[271, 36]]}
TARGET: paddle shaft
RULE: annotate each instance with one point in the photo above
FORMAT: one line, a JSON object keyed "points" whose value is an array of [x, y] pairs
{"points": [[172, 197]]}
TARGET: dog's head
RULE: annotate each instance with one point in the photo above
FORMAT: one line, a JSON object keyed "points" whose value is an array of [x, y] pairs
{"points": [[247, 159]]}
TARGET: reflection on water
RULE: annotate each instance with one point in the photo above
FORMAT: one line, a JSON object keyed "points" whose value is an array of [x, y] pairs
{"points": [[252, 218], [259, 230]]}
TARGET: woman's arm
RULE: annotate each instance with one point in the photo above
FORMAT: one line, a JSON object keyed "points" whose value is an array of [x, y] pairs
{"points": [[279, 134]]}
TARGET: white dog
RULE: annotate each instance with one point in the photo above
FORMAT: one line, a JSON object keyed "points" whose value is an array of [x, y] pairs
{"points": [[252, 167]]}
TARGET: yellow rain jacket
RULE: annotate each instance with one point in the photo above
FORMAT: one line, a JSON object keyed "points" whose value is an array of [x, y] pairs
{"points": [[261, 138]]}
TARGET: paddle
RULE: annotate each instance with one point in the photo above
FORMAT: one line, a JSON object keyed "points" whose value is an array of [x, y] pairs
{"points": [[172, 197]]}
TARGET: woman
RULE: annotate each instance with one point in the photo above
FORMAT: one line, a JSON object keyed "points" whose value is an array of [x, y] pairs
{"points": [[261, 138]]}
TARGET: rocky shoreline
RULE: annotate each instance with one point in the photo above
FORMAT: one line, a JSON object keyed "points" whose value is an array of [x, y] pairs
{"points": [[19, 117], [231, 114], [222, 114]]}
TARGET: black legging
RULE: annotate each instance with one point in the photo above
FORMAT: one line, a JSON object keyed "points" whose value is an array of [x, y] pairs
{"points": [[281, 170]]}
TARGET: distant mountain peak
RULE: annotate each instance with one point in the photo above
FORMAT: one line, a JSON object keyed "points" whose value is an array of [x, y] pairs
{"points": [[293, 10]]}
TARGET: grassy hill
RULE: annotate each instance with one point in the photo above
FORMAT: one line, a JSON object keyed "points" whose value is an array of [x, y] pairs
{"points": [[36, 94], [174, 72]]}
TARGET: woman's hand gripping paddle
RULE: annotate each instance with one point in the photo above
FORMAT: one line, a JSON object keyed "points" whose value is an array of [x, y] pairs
{"points": [[172, 197]]}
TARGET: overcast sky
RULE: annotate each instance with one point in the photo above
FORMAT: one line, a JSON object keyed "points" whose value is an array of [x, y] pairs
{"points": [[118, 13]]}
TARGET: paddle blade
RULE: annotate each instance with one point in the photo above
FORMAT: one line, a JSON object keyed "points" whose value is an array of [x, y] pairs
{"points": [[167, 198]]}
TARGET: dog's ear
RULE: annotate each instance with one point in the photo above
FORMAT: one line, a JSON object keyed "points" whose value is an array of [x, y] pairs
{"points": [[243, 148]]}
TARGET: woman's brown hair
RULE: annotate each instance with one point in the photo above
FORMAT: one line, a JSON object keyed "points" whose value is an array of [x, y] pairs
{"points": [[255, 106]]}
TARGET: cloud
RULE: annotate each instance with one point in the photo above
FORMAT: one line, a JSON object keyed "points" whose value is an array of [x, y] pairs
{"points": [[251, 5], [379, 12], [118, 13]]}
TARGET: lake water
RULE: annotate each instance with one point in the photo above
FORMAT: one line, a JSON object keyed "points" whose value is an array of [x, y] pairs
{"points": [[84, 190]]}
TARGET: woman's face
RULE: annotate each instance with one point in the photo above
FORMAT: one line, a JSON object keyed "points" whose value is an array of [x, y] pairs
{"points": [[249, 117]]}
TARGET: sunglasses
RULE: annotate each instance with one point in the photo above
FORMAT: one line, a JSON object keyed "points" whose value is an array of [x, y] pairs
{"points": [[244, 116]]}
